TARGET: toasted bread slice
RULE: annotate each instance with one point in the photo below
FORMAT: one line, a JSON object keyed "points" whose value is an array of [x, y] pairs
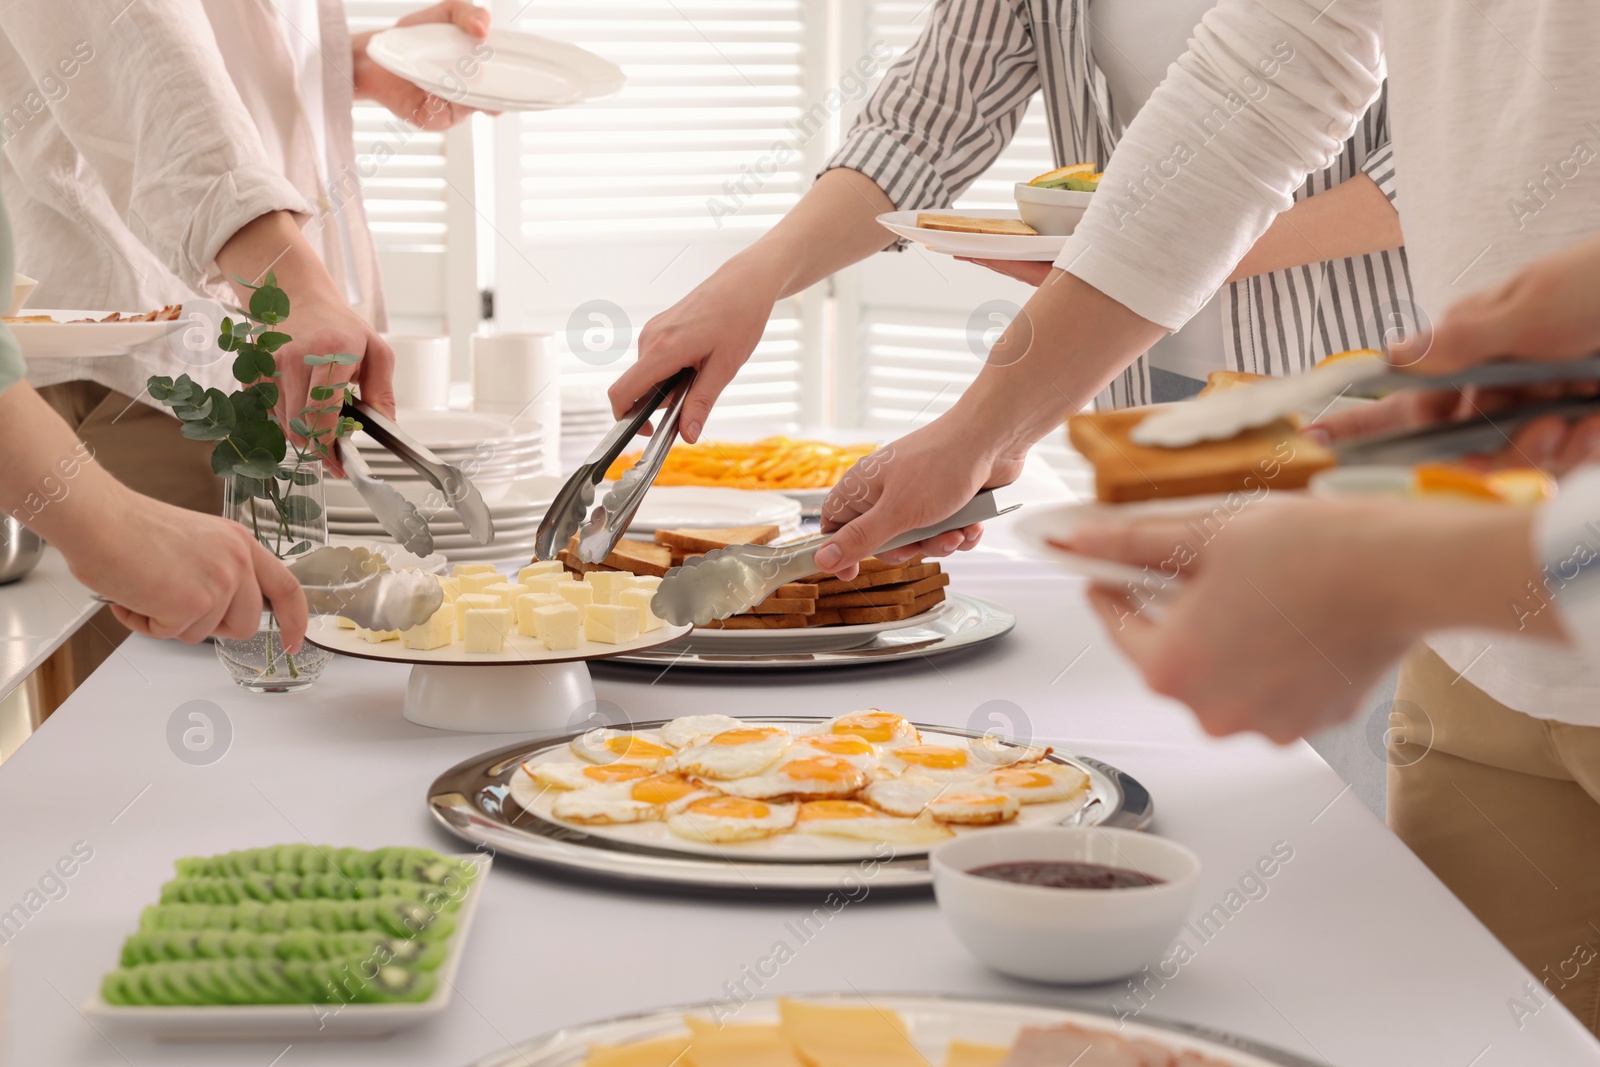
{"points": [[1220, 381], [759, 622], [640, 557], [775, 605], [968, 224], [885, 613], [902, 593], [692, 542], [911, 572], [1272, 457]]}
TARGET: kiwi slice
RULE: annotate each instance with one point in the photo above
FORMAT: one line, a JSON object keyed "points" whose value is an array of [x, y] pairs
{"points": [[394, 984]]}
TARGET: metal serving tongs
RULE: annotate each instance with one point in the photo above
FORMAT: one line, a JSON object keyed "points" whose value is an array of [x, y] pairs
{"points": [[726, 581], [1452, 440], [598, 533], [357, 584], [1219, 417], [396, 514]]}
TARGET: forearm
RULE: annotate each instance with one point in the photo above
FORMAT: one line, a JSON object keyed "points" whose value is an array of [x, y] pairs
{"points": [[274, 242], [833, 225], [49, 480], [1351, 219], [1068, 343]]}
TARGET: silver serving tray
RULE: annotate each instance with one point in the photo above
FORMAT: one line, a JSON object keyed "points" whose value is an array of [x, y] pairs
{"points": [[473, 801], [967, 621], [932, 1019]]}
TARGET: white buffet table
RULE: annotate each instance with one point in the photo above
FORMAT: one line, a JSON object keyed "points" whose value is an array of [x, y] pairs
{"points": [[37, 616], [1356, 954]]}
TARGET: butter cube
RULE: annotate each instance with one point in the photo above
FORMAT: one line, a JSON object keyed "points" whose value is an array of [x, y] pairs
{"points": [[438, 631], [646, 581], [451, 587], [559, 625], [611, 624], [607, 584], [639, 599], [477, 583], [377, 637], [472, 568], [548, 583], [541, 567], [343, 623], [527, 603], [578, 594], [468, 601], [487, 628], [507, 592]]}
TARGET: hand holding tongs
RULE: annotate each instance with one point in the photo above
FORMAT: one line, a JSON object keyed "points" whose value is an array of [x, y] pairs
{"points": [[599, 532], [396, 514]]}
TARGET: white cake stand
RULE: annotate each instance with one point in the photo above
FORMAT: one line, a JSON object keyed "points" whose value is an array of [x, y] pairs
{"points": [[526, 687]]}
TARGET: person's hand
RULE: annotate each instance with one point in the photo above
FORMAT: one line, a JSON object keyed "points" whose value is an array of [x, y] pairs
{"points": [[1022, 270], [1282, 621], [323, 327], [927, 475], [171, 572], [713, 329], [409, 101], [1413, 409]]}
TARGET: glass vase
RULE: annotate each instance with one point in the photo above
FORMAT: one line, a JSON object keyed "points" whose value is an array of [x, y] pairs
{"points": [[287, 515]]}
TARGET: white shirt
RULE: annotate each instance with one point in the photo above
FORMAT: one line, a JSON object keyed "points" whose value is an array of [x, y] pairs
{"points": [[1503, 80], [181, 121]]}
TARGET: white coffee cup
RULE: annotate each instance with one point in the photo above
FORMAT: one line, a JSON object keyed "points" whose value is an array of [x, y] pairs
{"points": [[421, 371], [518, 375]]}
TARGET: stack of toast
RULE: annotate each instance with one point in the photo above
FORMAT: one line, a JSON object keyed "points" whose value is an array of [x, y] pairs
{"points": [[882, 592]]}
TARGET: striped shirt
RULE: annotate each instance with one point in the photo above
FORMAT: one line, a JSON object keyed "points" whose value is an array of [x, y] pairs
{"points": [[949, 106]]}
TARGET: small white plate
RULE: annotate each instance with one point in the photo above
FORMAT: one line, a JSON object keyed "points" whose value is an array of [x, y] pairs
{"points": [[447, 429], [292, 1022], [325, 633], [667, 507], [511, 71], [64, 339], [819, 639], [1045, 530], [529, 497], [1042, 249]]}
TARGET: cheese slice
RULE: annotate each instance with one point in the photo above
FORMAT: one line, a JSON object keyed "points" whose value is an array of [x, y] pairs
{"points": [[611, 624], [720, 1045], [560, 625], [607, 584], [451, 587], [477, 583], [832, 1036], [507, 592], [527, 603], [547, 583], [343, 623], [541, 567], [438, 631], [486, 629], [471, 600], [965, 1054], [472, 568], [639, 599], [659, 1052], [578, 594]]}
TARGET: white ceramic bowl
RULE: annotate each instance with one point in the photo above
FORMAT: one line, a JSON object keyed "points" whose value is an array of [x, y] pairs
{"points": [[1065, 935], [1378, 480], [22, 288], [1054, 212]]}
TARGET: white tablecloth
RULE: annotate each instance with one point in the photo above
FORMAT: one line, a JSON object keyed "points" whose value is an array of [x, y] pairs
{"points": [[1356, 954]]}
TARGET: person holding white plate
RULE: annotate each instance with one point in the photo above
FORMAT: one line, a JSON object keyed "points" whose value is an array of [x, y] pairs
{"points": [[179, 146]]}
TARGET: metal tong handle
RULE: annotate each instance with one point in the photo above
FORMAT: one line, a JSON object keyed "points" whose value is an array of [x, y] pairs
{"points": [[1485, 433], [607, 525]]}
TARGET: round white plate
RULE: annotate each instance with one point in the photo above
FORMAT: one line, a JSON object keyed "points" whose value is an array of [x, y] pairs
{"points": [[522, 71], [823, 638], [325, 633], [520, 552], [932, 1022], [452, 543], [528, 497], [788, 847], [64, 339], [464, 430], [667, 507], [975, 245]]}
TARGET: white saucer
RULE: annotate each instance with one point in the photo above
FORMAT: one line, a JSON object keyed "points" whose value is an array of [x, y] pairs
{"points": [[511, 71], [1041, 249]]}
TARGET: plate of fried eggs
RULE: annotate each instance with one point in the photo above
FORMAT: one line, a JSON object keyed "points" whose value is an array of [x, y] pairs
{"points": [[860, 785]]}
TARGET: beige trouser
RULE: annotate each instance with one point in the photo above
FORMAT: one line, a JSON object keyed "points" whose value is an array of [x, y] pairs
{"points": [[1505, 810], [139, 445]]}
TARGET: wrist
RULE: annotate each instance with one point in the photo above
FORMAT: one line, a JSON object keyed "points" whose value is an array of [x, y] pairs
{"points": [[361, 64], [759, 271]]}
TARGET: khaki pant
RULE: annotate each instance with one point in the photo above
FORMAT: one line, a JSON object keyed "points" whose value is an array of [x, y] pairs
{"points": [[1505, 810], [139, 445]]}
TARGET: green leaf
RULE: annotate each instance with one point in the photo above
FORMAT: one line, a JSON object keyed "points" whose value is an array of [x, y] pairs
{"points": [[346, 359], [273, 340], [244, 367], [240, 488], [348, 426], [300, 508], [266, 366], [303, 477], [267, 392], [299, 426], [266, 436], [318, 361], [222, 458], [272, 279], [196, 413], [257, 463], [247, 406], [323, 392], [268, 303], [205, 430], [159, 388], [298, 547], [241, 281]]}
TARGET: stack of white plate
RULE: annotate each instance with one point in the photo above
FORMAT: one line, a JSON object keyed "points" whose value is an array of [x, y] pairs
{"points": [[585, 419], [516, 515], [512, 71]]}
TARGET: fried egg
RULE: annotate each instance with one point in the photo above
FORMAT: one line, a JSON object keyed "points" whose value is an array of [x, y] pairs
{"points": [[733, 753], [992, 752], [952, 802], [943, 763], [1035, 783], [583, 775], [840, 746], [723, 819], [851, 818], [645, 800], [879, 727], [613, 746], [690, 728], [807, 777]]}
